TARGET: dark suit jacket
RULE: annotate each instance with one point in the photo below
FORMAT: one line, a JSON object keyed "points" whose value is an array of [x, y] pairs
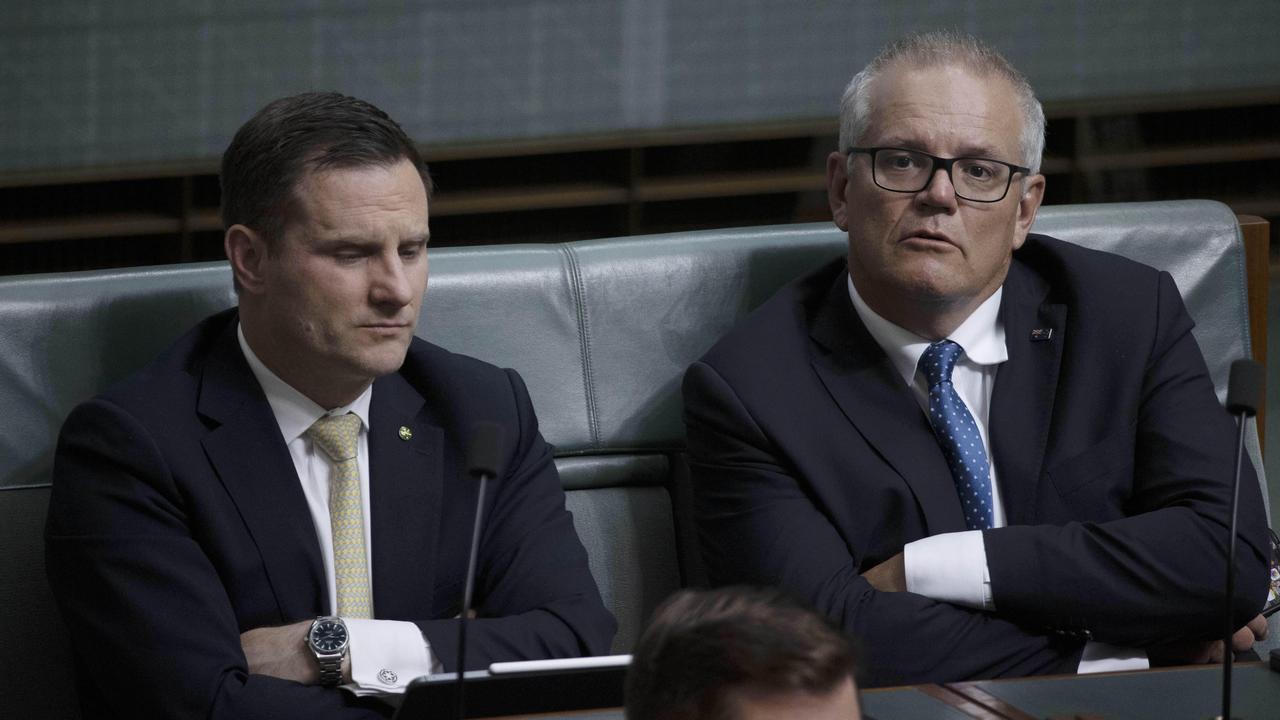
{"points": [[177, 521], [812, 463]]}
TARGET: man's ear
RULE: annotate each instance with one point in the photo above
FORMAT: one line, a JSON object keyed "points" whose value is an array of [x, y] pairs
{"points": [[1028, 205], [247, 251], [837, 181]]}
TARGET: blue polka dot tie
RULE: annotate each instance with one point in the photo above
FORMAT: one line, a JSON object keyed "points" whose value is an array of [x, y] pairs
{"points": [[958, 435]]}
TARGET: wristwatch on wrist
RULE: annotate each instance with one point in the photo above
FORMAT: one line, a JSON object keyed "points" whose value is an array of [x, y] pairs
{"points": [[328, 640]]}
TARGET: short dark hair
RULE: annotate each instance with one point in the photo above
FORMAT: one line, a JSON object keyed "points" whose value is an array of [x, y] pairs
{"points": [[295, 135], [702, 646]]}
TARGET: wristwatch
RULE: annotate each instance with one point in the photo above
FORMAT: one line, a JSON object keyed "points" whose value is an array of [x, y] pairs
{"points": [[328, 640]]}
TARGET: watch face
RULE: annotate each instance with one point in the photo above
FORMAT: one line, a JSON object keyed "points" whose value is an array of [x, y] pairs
{"points": [[328, 636]]}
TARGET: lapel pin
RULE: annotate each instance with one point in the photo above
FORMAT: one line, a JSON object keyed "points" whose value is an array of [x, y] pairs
{"points": [[405, 433], [1041, 334]]}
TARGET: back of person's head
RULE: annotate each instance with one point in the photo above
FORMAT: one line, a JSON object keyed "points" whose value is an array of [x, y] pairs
{"points": [[297, 135], [712, 654]]}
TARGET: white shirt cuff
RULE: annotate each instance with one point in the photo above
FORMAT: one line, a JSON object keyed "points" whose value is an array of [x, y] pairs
{"points": [[1101, 657], [951, 567], [386, 655]]}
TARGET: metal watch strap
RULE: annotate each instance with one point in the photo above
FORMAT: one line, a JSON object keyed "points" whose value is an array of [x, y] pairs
{"points": [[330, 668]]}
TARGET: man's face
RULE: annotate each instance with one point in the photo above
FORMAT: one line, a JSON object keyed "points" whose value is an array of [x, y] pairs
{"points": [[914, 253], [839, 704], [340, 294]]}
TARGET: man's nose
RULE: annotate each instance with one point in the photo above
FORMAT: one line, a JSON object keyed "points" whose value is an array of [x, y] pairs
{"points": [[940, 192], [390, 283]]}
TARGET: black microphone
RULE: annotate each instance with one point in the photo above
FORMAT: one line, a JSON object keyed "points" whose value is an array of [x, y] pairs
{"points": [[485, 451], [1244, 394]]}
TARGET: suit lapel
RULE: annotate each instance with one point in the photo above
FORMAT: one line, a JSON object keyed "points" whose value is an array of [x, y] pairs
{"points": [[870, 392], [250, 457], [406, 486], [1022, 401]]}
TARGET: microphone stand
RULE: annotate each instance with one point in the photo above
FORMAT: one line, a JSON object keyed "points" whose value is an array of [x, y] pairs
{"points": [[1244, 394], [484, 460], [466, 597], [1228, 651]]}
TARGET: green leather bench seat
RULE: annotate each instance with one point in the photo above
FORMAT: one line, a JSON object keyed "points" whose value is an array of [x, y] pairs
{"points": [[601, 331]]}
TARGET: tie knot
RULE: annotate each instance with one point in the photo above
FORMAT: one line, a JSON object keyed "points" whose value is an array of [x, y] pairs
{"points": [[337, 435], [939, 360]]}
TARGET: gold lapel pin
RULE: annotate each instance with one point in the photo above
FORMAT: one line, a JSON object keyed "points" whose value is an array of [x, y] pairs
{"points": [[405, 433]]}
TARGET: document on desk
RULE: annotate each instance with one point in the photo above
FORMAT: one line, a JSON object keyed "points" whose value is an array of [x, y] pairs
{"points": [[580, 663], [522, 688]]}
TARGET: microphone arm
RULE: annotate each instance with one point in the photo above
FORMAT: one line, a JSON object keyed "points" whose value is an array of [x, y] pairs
{"points": [[484, 458], [1244, 393]]}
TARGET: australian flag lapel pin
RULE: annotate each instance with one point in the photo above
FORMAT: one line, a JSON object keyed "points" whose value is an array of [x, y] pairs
{"points": [[1041, 334]]}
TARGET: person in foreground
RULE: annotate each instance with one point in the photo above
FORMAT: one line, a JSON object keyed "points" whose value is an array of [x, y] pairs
{"points": [[740, 653], [984, 452], [278, 504]]}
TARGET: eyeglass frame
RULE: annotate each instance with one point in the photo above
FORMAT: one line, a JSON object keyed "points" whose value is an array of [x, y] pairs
{"points": [[946, 164]]}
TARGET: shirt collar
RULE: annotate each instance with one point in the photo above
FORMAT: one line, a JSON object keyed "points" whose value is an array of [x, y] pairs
{"points": [[981, 335], [295, 412]]}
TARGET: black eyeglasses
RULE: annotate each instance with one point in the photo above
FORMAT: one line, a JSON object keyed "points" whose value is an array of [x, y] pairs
{"points": [[910, 171]]}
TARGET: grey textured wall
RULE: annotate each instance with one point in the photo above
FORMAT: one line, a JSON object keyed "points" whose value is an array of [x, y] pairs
{"points": [[103, 82]]}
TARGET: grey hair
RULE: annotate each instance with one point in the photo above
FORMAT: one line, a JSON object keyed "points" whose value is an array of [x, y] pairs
{"points": [[943, 48]]}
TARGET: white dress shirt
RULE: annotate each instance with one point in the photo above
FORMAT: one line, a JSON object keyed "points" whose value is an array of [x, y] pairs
{"points": [[385, 654], [952, 567]]}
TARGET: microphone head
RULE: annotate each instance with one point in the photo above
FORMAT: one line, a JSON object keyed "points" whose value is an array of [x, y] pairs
{"points": [[486, 449], [1244, 388]]}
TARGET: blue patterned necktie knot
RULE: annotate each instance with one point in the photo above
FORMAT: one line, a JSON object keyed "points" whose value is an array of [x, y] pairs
{"points": [[957, 433], [939, 360]]}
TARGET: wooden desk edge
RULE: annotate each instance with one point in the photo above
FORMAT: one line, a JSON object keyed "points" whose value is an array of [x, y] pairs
{"points": [[979, 705], [971, 691], [965, 697]]}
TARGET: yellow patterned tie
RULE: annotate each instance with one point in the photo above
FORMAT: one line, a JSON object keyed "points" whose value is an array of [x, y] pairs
{"points": [[339, 437]]}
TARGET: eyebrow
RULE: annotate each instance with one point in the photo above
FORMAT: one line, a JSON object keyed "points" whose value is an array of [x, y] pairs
{"points": [[356, 242]]}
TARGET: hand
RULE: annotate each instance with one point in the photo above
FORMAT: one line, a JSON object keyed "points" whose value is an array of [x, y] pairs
{"points": [[282, 652], [888, 576], [1197, 652], [1245, 637]]}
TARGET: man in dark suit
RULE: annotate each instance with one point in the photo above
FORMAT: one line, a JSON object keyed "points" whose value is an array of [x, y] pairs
{"points": [[984, 452], [278, 505]]}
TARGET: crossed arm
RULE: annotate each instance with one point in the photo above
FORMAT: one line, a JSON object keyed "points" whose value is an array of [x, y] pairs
{"points": [[891, 576], [1130, 580], [130, 563], [759, 524]]}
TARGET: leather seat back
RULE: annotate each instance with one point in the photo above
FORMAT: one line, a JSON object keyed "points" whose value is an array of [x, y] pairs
{"points": [[601, 331]]}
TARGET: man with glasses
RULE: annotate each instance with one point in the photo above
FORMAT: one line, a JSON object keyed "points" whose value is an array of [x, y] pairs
{"points": [[983, 452]]}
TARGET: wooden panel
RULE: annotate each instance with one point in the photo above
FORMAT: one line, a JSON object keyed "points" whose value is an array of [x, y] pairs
{"points": [[1256, 205], [1257, 248], [625, 140], [1210, 145], [204, 220], [730, 184], [1190, 155], [562, 195], [94, 226]]}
